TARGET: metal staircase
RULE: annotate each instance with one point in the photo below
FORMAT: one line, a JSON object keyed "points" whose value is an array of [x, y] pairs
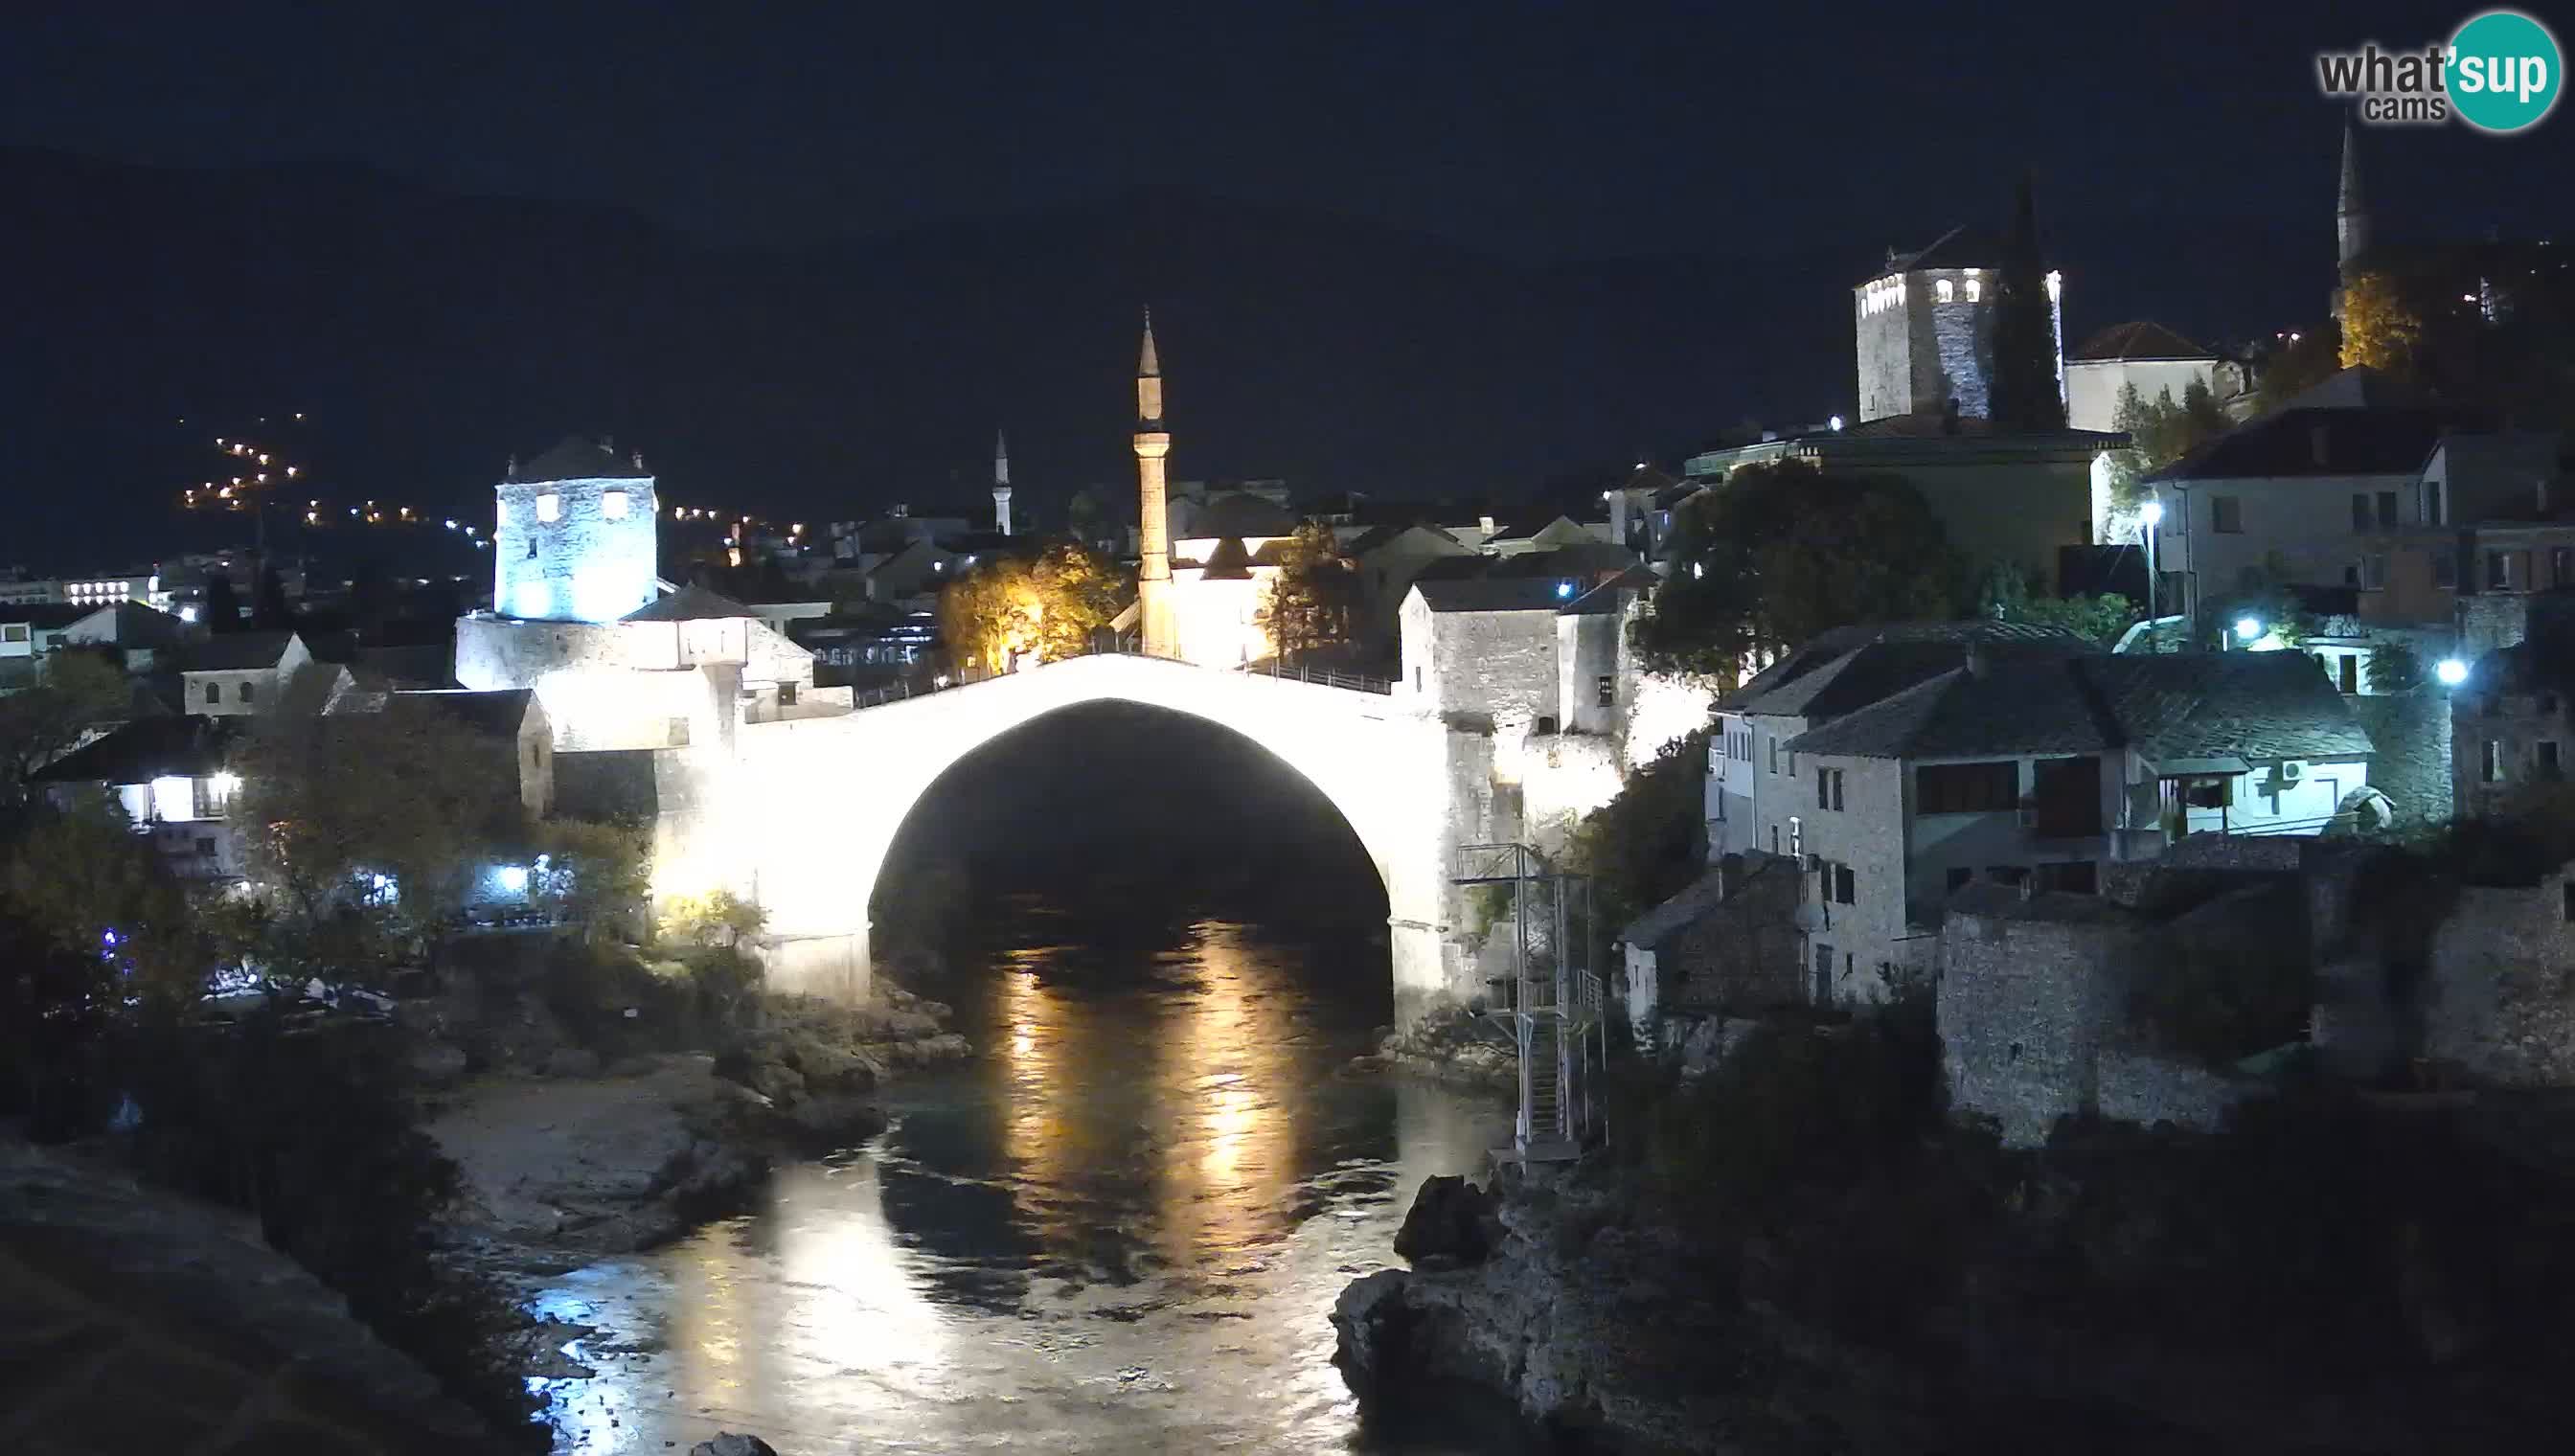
{"points": [[1549, 1005]]}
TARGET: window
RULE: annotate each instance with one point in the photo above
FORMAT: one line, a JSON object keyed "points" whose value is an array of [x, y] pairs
{"points": [[2065, 797], [1955, 788], [1796, 836], [249, 690], [1946, 290], [1775, 838], [2431, 503], [2350, 681], [2498, 571], [2445, 570], [13, 632], [2387, 508], [214, 693], [2561, 565], [787, 694], [1417, 680], [1544, 725], [2359, 511], [1606, 690], [1774, 756], [1823, 975], [2373, 571], [550, 506], [2490, 770], [1975, 289], [612, 505], [2212, 793], [2226, 514], [1837, 789], [205, 843], [1824, 789], [1845, 886]]}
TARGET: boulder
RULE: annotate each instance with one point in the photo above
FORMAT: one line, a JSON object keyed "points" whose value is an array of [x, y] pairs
{"points": [[829, 1121], [1369, 1327], [775, 1081], [726, 1443], [1452, 1223], [824, 1068], [572, 1061]]}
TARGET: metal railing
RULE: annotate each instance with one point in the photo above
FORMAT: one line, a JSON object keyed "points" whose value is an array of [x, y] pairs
{"points": [[1351, 682], [905, 689]]}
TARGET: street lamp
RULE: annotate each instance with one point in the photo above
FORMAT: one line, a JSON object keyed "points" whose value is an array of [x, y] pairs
{"points": [[2248, 628], [2451, 671]]}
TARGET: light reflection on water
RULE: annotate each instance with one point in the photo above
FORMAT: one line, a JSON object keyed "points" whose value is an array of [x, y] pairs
{"points": [[1120, 1230]]}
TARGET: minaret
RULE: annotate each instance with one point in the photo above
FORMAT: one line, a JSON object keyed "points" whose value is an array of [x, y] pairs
{"points": [[1161, 637], [2351, 217], [1001, 483]]}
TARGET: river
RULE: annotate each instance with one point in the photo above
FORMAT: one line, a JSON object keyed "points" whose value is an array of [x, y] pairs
{"points": [[1121, 1228]]}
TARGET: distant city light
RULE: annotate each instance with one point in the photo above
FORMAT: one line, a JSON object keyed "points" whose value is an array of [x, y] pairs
{"points": [[2451, 671], [2248, 628]]}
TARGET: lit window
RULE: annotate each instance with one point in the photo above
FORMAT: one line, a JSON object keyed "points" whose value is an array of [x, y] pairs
{"points": [[1975, 289], [612, 504], [1947, 290], [550, 506]]}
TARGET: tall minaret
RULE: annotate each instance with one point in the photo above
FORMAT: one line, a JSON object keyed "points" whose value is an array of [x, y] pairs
{"points": [[1001, 483], [1161, 637], [2351, 217]]}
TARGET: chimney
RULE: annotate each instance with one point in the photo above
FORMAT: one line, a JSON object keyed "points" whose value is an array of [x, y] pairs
{"points": [[1979, 664]]}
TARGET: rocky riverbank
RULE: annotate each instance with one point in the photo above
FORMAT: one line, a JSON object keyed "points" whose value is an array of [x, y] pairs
{"points": [[575, 1161], [2121, 1293]]}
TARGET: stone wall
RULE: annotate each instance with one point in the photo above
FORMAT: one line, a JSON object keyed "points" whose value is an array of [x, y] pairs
{"points": [[2147, 1090], [2026, 1006], [585, 564], [2412, 767], [1743, 956], [1498, 666], [2499, 998]]}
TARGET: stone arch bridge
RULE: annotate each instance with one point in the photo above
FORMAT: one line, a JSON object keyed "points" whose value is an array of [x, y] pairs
{"points": [[812, 806]]}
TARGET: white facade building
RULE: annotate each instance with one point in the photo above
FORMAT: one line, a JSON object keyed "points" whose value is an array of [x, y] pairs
{"points": [[575, 536]]}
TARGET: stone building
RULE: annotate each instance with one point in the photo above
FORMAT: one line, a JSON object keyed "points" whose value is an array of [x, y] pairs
{"points": [[2512, 724], [575, 538], [1926, 326], [2140, 355], [2499, 999], [1724, 946]]}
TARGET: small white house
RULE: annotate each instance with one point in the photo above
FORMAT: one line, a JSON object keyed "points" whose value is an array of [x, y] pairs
{"points": [[168, 775]]}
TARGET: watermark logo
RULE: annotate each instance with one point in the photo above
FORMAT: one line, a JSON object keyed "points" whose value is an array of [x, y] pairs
{"points": [[2499, 72]]}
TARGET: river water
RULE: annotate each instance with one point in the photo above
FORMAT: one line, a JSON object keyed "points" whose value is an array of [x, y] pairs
{"points": [[1121, 1228]]}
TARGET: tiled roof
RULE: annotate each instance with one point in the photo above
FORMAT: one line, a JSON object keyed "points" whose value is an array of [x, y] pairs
{"points": [[692, 602], [1607, 596], [149, 749], [2137, 339], [44, 616], [234, 651], [2253, 705], [499, 712], [1827, 647], [2324, 442], [575, 459], [1491, 594]]}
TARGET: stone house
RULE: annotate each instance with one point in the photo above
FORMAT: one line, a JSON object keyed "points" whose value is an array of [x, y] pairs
{"points": [[1484, 649], [168, 775], [1725, 946], [2512, 724], [2043, 772], [238, 672], [1387, 559]]}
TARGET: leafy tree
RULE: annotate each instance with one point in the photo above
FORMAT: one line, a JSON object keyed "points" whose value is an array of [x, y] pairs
{"points": [[75, 693], [2394, 668], [1009, 607], [1309, 603], [591, 873], [2381, 329], [2026, 392], [88, 885], [1781, 551], [2006, 596], [1645, 846], [371, 826], [717, 918]]}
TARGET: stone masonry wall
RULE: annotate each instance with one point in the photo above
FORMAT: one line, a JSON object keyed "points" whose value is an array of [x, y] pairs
{"points": [[2146, 1089], [2412, 733], [2499, 1004], [2026, 1007]]}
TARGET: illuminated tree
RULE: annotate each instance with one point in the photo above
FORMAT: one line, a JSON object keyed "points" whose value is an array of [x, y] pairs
{"points": [[1308, 608], [2158, 434], [1008, 609], [2380, 330], [594, 874], [1781, 551]]}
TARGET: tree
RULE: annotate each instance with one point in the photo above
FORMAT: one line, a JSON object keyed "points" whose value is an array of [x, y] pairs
{"points": [[2026, 392], [2159, 432], [371, 826], [1009, 609], [2394, 668], [88, 885], [2381, 330], [1308, 607], [2006, 596], [2299, 365], [717, 918], [76, 692], [591, 873], [1645, 846], [1781, 551]]}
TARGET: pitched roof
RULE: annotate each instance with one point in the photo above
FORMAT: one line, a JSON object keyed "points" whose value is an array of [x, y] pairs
{"points": [[149, 749], [1879, 671], [1825, 646], [1239, 512], [2251, 705], [234, 651], [1493, 593], [1378, 536], [692, 602], [43, 615], [1228, 562], [2389, 439], [2137, 339], [577, 459], [1608, 597], [499, 712]]}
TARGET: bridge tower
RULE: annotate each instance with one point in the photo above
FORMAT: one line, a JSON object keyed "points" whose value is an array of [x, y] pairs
{"points": [[1161, 636]]}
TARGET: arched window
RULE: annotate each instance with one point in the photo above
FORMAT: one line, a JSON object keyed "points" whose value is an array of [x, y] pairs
{"points": [[1946, 290], [1975, 289]]}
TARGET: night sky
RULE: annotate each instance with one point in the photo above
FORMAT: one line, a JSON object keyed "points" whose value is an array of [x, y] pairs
{"points": [[2183, 158]]}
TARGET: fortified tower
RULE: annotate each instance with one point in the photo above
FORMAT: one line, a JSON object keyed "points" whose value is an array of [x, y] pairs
{"points": [[1161, 637], [573, 540], [1001, 483]]}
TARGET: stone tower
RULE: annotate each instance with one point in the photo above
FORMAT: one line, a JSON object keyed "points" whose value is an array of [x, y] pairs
{"points": [[1001, 483], [1160, 631], [575, 537], [2351, 217]]}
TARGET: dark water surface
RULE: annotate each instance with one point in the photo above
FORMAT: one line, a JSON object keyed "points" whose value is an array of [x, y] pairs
{"points": [[1121, 1228]]}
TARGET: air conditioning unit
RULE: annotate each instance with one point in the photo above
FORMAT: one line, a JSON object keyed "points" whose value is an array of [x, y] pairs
{"points": [[2291, 771]]}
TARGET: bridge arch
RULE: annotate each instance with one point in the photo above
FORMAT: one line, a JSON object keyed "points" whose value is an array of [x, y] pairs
{"points": [[813, 804]]}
